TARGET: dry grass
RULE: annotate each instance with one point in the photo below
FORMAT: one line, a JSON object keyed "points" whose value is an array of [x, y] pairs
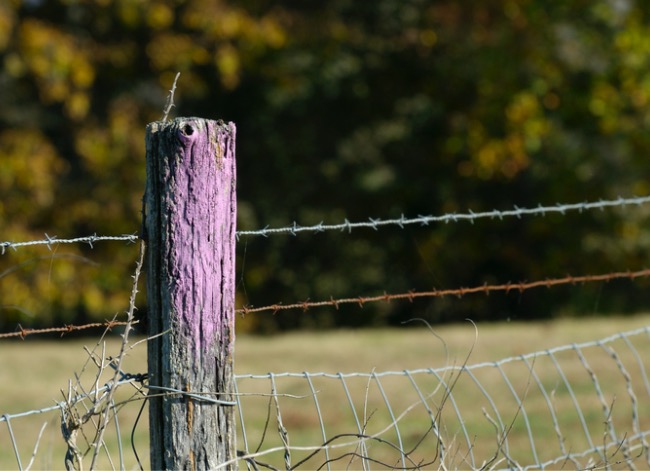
{"points": [[33, 373]]}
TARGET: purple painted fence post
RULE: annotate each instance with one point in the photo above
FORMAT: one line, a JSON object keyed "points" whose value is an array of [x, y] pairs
{"points": [[190, 216]]}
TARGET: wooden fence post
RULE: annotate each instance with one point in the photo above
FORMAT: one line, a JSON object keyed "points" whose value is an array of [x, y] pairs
{"points": [[190, 217]]}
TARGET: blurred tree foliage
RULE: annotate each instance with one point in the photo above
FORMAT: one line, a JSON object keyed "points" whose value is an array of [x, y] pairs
{"points": [[345, 109]]}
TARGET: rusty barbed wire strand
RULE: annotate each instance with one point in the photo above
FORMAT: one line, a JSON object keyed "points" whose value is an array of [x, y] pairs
{"points": [[459, 292], [66, 329], [362, 300]]}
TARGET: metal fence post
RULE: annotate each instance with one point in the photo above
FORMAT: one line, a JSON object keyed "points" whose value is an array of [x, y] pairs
{"points": [[190, 217]]}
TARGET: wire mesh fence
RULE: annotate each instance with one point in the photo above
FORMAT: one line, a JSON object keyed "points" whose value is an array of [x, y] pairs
{"points": [[581, 406], [576, 406]]}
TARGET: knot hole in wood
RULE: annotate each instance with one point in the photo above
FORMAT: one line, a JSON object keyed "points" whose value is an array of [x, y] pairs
{"points": [[187, 129]]}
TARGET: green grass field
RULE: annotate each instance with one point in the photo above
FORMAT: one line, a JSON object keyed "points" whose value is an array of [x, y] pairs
{"points": [[33, 373]]}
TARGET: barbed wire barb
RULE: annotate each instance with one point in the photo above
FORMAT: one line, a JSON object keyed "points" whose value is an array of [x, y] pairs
{"points": [[169, 104]]}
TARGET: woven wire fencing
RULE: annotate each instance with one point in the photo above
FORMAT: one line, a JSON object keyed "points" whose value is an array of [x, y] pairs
{"points": [[577, 406]]}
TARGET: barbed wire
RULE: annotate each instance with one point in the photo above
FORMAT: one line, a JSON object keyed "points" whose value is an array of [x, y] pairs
{"points": [[66, 329], [450, 217], [372, 223], [459, 292], [22, 332], [52, 240], [362, 300]]}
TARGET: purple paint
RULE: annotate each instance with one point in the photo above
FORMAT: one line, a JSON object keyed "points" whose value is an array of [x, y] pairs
{"points": [[202, 217]]}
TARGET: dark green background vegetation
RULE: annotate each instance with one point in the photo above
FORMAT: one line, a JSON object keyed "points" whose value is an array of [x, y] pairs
{"points": [[344, 109]]}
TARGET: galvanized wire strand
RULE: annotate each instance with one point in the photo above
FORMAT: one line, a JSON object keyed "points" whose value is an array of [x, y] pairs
{"points": [[600, 449], [204, 397], [642, 369], [628, 386], [49, 241], [282, 431], [574, 400], [470, 216], [522, 411], [242, 424], [372, 223], [639, 361], [449, 395], [494, 407], [362, 443], [35, 450], [434, 422], [599, 393], [548, 352], [7, 419], [320, 416], [551, 408], [562, 348], [392, 416], [59, 405]]}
